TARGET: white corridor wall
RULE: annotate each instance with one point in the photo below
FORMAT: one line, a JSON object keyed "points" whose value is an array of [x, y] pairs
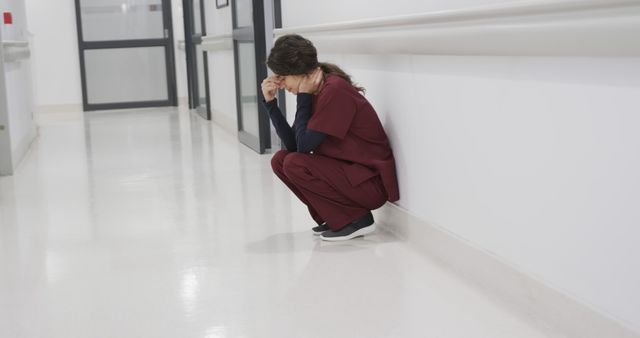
{"points": [[16, 106], [533, 159], [56, 66]]}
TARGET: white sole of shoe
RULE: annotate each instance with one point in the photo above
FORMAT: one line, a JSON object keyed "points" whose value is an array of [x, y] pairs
{"points": [[357, 233]]}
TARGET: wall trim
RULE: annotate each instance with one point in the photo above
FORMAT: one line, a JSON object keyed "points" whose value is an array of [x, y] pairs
{"points": [[550, 309], [54, 112], [16, 50], [58, 108], [217, 42], [533, 27], [225, 121], [23, 146]]}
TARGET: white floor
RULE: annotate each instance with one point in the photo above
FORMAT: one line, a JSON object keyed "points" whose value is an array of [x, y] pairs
{"points": [[155, 223]]}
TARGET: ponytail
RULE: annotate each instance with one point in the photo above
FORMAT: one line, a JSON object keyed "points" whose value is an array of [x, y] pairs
{"points": [[330, 68]]}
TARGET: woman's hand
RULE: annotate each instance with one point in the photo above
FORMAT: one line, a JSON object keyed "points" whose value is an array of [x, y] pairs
{"points": [[270, 87], [310, 83]]}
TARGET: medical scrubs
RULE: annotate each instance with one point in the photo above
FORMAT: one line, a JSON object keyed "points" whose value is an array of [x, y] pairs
{"points": [[352, 170]]}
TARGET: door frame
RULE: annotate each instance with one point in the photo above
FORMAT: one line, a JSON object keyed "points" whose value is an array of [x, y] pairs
{"points": [[191, 42], [282, 97], [255, 34], [166, 42]]}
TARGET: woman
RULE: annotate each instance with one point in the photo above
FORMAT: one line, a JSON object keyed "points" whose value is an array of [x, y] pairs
{"points": [[337, 159]]}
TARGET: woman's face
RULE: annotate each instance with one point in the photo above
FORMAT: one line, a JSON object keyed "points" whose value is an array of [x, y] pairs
{"points": [[290, 82]]}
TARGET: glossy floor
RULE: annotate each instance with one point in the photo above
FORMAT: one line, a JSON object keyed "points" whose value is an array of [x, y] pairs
{"points": [[155, 223]]}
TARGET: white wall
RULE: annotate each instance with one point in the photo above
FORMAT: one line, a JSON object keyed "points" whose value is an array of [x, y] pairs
{"points": [[17, 101], [20, 108], [534, 159], [6, 158], [54, 46], [530, 158]]}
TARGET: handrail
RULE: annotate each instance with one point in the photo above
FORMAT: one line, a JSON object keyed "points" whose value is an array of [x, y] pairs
{"points": [[15, 50], [217, 42], [533, 27]]}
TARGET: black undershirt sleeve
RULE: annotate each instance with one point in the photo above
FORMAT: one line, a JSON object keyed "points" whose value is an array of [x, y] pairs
{"points": [[298, 138], [283, 129], [306, 139]]}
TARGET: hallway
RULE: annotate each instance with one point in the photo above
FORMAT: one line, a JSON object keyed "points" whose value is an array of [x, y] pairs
{"points": [[156, 223]]}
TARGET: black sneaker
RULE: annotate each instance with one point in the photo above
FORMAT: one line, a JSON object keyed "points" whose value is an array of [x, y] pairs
{"points": [[318, 230], [360, 227]]}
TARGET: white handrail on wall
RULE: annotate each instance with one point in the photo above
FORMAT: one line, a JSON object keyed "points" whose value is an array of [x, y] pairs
{"points": [[534, 27], [212, 43], [217, 42], [15, 50]]}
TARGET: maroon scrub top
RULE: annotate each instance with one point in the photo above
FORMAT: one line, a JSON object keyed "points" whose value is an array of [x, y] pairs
{"points": [[354, 134]]}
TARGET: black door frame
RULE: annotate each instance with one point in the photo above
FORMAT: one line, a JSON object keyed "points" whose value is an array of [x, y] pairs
{"points": [[277, 22], [192, 40], [166, 42], [255, 34]]}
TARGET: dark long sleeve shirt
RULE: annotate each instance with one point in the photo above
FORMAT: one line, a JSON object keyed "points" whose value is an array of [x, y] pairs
{"points": [[297, 137]]}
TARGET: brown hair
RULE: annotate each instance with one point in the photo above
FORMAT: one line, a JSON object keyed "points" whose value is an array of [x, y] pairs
{"points": [[294, 55]]}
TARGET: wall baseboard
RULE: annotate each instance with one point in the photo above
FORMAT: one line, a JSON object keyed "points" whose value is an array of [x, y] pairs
{"points": [[23, 146], [548, 308], [54, 112], [58, 108], [223, 120]]}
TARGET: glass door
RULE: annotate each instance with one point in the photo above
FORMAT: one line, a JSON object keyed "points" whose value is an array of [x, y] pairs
{"points": [[249, 54], [126, 53], [197, 59]]}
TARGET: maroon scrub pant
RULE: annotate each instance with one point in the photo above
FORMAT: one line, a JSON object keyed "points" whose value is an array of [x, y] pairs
{"points": [[321, 183]]}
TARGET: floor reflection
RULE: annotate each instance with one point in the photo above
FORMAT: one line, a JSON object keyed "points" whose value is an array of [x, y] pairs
{"points": [[156, 223]]}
